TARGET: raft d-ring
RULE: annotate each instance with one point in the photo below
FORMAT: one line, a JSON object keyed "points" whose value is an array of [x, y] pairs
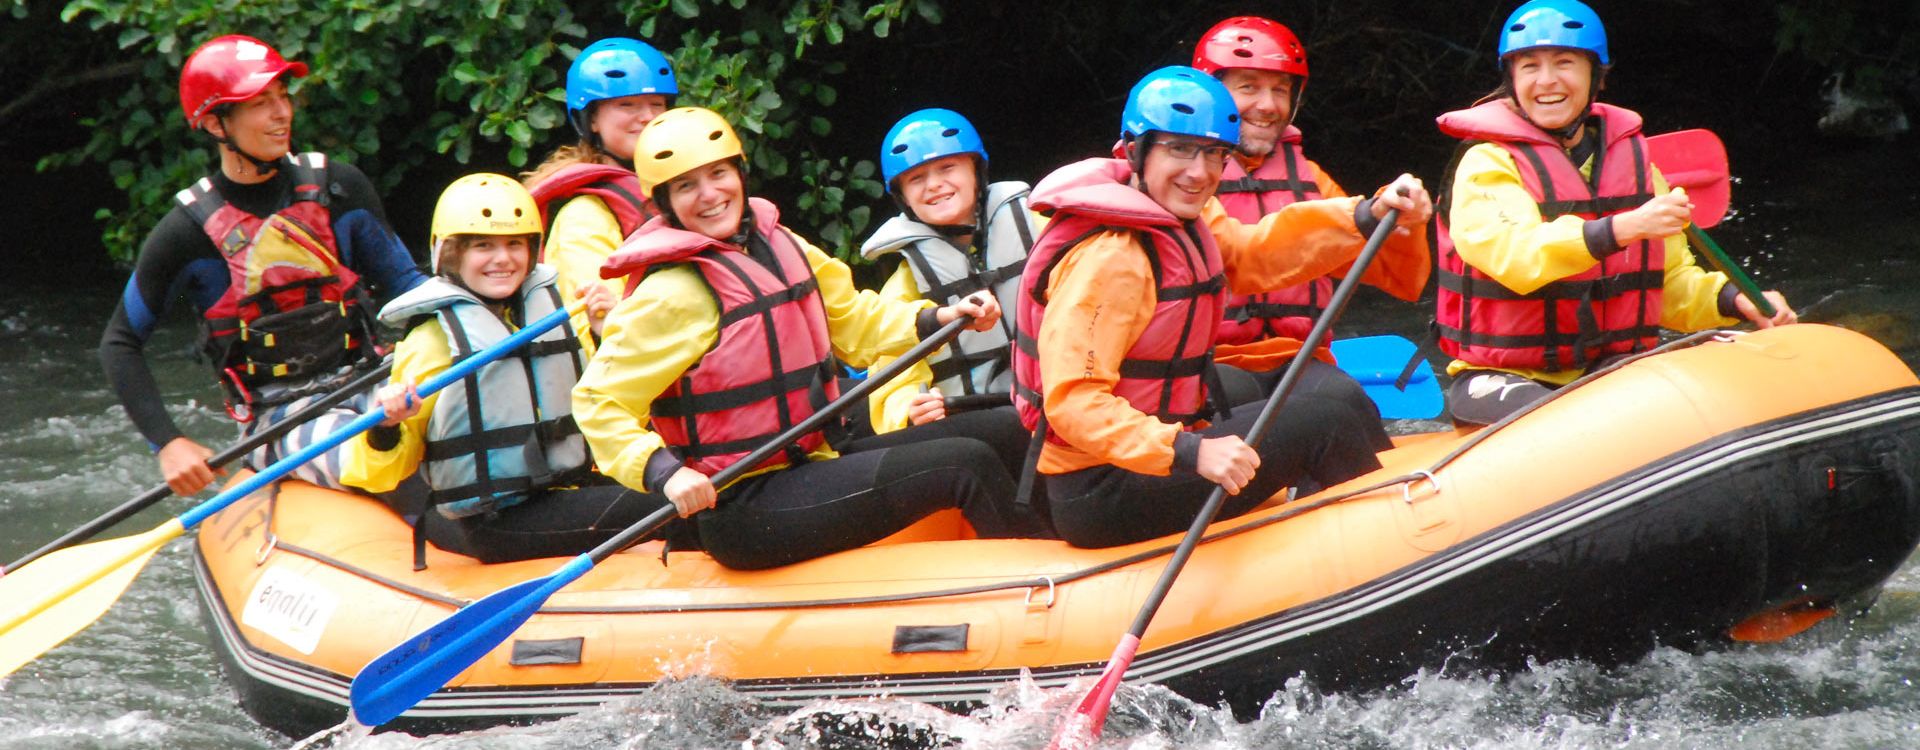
{"points": [[1728, 336], [266, 548], [1050, 592], [1406, 490]]}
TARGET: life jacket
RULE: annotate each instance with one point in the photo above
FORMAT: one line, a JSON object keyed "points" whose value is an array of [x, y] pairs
{"points": [[291, 311], [507, 429], [975, 361], [1612, 308], [1284, 178], [616, 187], [772, 365], [1166, 371]]}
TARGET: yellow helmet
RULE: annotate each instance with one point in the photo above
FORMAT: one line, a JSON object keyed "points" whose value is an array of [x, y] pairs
{"points": [[483, 203], [680, 140]]}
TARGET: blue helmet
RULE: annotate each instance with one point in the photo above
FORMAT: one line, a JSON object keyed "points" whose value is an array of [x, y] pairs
{"points": [[924, 136], [612, 68], [1183, 101], [1554, 23]]}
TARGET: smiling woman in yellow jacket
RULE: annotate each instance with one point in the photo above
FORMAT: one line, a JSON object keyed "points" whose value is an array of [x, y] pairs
{"points": [[1563, 246], [510, 477], [729, 334]]}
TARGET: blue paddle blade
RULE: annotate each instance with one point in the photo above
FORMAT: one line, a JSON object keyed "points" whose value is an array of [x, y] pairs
{"points": [[1376, 361], [413, 670]]}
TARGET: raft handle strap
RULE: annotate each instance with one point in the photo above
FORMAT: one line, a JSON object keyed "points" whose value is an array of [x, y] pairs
{"points": [[1406, 489]]}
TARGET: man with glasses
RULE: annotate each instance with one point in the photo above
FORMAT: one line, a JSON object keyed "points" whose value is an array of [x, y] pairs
{"points": [[1264, 67], [1119, 307]]}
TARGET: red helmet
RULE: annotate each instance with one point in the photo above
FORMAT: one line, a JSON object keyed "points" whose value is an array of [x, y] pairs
{"points": [[229, 69], [1250, 42]]}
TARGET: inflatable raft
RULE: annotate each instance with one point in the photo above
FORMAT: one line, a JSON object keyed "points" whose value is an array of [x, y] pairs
{"points": [[1741, 486]]}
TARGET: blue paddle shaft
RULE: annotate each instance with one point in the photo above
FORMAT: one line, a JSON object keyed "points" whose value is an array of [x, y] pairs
{"points": [[366, 421]]}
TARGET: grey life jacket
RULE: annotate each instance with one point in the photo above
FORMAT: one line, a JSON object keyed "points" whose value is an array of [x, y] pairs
{"points": [[507, 429], [975, 362]]}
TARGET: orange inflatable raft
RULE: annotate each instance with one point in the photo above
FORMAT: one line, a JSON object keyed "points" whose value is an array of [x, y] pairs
{"points": [[1742, 486]]}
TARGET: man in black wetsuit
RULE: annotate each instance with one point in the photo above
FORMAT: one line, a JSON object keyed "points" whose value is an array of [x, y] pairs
{"points": [[284, 257]]}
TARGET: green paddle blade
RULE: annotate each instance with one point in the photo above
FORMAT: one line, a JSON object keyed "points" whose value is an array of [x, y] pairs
{"points": [[58, 595]]}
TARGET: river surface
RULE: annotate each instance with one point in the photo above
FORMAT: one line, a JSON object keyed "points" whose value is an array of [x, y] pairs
{"points": [[1840, 242]]}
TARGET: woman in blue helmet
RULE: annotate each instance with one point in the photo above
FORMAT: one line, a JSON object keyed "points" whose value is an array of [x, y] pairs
{"points": [[1122, 296], [1562, 245], [587, 192], [957, 234]]}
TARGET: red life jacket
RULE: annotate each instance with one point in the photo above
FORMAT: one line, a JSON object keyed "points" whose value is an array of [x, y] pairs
{"points": [[771, 367], [1612, 308], [291, 310], [1284, 178], [616, 187], [1166, 370]]}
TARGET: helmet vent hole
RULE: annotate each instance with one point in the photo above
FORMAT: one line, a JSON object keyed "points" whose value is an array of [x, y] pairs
{"points": [[663, 156], [899, 149], [1242, 53], [616, 74], [1183, 109], [1243, 39], [1574, 25], [517, 213], [1518, 27], [1233, 118], [486, 212], [949, 132], [668, 72], [713, 136]]}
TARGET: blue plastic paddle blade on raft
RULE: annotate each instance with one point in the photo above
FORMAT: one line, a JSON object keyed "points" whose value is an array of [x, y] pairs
{"points": [[413, 670], [1376, 361]]}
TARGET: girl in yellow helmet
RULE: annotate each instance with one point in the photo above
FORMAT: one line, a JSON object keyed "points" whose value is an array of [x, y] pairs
{"points": [[510, 477], [729, 333]]}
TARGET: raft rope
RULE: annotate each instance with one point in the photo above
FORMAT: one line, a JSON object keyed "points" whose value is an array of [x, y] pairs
{"points": [[1049, 582]]}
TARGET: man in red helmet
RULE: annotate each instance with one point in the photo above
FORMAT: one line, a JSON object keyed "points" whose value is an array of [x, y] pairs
{"points": [[1264, 66], [281, 254]]}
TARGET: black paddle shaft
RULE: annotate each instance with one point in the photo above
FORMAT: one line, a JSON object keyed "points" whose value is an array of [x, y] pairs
{"points": [[1218, 497], [127, 509], [733, 471]]}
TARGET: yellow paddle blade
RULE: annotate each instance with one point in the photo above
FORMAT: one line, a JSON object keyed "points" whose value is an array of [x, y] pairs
{"points": [[47, 601]]}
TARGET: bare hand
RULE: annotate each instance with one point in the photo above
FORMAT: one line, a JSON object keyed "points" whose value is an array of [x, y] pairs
{"points": [[1782, 314], [1228, 462], [690, 491], [1662, 217], [927, 407], [183, 463], [1415, 206], [399, 401], [981, 305], [599, 303]]}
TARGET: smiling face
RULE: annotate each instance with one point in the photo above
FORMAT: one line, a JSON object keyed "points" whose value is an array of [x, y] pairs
{"points": [[494, 265], [1552, 84], [1182, 171], [618, 121], [942, 191], [709, 200], [261, 126], [1265, 99]]}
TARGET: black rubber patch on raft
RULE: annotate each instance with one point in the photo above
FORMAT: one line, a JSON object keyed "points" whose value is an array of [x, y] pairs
{"points": [[536, 653], [921, 639]]}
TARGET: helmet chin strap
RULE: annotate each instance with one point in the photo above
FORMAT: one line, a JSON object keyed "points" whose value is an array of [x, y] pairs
{"points": [[263, 166]]}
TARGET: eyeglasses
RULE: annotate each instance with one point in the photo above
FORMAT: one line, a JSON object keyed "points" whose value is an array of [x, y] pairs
{"points": [[1216, 153]]}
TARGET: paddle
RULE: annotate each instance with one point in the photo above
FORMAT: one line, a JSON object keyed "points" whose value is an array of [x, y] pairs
{"points": [[1082, 725], [46, 602], [161, 492], [1697, 161], [396, 680], [1377, 361]]}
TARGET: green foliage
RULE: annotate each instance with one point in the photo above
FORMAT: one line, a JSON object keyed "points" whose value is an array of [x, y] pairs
{"points": [[1875, 46], [398, 83]]}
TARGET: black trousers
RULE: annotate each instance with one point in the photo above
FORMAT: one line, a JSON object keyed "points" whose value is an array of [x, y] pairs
{"points": [[879, 486], [1311, 439], [1320, 380], [555, 522]]}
